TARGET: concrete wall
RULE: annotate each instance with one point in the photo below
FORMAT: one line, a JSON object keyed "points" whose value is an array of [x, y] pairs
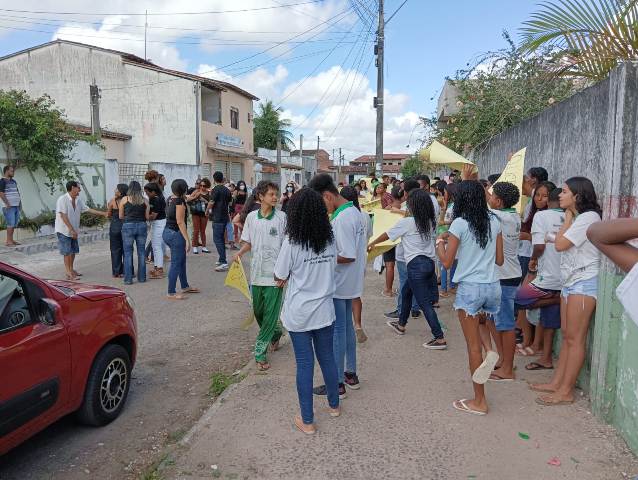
{"points": [[595, 134], [158, 110]]}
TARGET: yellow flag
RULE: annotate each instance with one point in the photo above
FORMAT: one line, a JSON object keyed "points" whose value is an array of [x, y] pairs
{"points": [[370, 206], [236, 278], [514, 172], [384, 220], [438, 153]]}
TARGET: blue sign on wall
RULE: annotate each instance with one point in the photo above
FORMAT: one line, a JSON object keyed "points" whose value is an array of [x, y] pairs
{"points": [[229, 141]]}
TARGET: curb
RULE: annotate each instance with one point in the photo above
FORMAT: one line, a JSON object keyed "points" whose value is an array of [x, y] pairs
{"points": [[51, 243]]}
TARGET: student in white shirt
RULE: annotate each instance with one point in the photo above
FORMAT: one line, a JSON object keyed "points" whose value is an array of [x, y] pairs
{"points": [[350, 240], [263, 235], [417, 231], [579, 268], [307, 262]]}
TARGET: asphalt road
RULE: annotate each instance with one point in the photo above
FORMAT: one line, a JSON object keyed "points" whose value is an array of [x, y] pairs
{"points": [[181, 344]]}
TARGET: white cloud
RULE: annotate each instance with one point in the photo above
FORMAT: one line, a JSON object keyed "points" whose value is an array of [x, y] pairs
{"points": [[260, 82], [333, 85]]}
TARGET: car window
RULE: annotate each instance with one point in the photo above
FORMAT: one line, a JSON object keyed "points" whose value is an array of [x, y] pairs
{"points": [[14, 309]]}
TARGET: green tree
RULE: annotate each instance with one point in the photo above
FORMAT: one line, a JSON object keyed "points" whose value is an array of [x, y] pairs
{"points": [[498, 91], [588, 37], [35, 135], [268, 123], [413, 166]]}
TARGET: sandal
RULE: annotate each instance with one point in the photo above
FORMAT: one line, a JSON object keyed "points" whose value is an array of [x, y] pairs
{"points": [[443, 294], [191, 290], [482, 374], [549, 401], [304, 428], [176, 296], [537, 366], [497, 378], [263, 366], [462, 406], [525, 351]]}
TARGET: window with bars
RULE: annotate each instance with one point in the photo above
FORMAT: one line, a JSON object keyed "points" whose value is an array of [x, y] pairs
{"points": [[234, 118], [132, 171]]}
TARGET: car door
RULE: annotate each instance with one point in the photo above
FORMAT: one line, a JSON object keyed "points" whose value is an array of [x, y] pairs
{"points": [[35, 356]]}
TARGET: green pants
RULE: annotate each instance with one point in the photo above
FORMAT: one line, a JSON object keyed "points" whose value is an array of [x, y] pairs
{"points": [[266, 305]]}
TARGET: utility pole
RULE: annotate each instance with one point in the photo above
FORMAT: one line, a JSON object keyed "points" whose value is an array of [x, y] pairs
{"points": [[94, 94], [339, 167], [303, 165], [279, 159], [378, 101], [145, 28], [317, 156]]}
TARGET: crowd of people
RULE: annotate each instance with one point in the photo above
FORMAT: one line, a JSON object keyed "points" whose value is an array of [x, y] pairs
{"points": [[520, 264]]}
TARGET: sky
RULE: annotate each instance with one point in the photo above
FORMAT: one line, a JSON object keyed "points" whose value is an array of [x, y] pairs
{"points": [[313, 58]]}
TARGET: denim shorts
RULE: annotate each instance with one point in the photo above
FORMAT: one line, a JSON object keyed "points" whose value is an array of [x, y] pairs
{"points": [[475, 298], [11, 216], [67, 245], [588, 287], [504, 320]]}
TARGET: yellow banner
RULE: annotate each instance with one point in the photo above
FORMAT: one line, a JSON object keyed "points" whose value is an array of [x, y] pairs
{"points": [[438, 153], [370, 206], [514, 172], [236, 278], [383, 221]]}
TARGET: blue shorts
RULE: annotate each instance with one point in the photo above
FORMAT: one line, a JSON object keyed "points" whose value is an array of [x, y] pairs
{"points": [[11, 216], [505, 320], [67, 245], [550, 316], [588, 287], [475, 298]]}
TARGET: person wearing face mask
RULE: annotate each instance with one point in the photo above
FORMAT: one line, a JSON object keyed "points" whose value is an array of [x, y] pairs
{"points": [[290, 189], [240, 195]]}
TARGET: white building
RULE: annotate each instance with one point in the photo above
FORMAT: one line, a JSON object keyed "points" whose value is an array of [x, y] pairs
{"points": [[172, 117]]}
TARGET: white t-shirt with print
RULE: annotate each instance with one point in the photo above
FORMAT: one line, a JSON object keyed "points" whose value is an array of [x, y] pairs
{"points": [[525, 246], [265, 235], [308, 303], [510, 229], [548, 221], [351, 242], [411, 240], [367, 221], [64, 205], [582, 260]]}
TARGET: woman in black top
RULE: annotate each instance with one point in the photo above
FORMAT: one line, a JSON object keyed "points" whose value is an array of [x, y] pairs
{"points": [[290, 189], [157, 216], [115, 231], [198, 199], [134, 211], [176, 237]]}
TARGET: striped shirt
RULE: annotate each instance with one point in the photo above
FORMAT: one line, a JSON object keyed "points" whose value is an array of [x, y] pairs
{"points": [[9, 187]]}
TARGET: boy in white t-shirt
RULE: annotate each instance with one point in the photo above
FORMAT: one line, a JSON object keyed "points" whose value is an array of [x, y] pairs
{"points": [[263, 235], [351, 242]]}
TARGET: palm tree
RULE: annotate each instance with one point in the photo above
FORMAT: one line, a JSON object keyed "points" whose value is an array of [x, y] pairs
{"points": [[590, 37], [269, 124]]}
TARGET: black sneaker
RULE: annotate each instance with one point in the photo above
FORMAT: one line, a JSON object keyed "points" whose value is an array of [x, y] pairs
{"points": [[434, 344], [416, 313], [395, 326], [351, 380], [322, 391], [394, 314]]}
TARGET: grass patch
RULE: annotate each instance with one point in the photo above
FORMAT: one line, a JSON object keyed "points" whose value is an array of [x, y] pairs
{"points": [[154, 472], [221, 381], [176, 436]]}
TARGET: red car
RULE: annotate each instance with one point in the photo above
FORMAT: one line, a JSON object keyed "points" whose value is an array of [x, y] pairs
{"points": [[64, 347]]}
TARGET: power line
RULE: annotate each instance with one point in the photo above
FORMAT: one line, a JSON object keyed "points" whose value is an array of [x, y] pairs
{"points": [[211, 12]]}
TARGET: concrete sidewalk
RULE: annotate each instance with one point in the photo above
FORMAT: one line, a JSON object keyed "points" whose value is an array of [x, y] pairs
{"points": [[401, 423]]}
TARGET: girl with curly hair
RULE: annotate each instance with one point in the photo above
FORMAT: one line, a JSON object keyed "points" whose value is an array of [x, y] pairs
{"points": [[475, 239], [417, 231], [307, 262], [580, 262]]}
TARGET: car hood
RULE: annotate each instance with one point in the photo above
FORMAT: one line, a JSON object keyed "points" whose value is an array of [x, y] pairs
{"points": [[90, 292]]}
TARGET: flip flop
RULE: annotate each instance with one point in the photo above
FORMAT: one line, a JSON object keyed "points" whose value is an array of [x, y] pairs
{"points": [[461, 406], [545, 403], [298, 421], [190, 290], [497, 378], [537, 366], [177, 296], [263, 366], [482, 373]]}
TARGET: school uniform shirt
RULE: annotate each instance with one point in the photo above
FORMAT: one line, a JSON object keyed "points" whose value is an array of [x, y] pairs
{"points": [[510, 229], [582, 260], [64, 205], [351, 242], [525, 247], [265, 235], [548, 221], [475, 264], [308, 302], [411, 240], [367, 221]]}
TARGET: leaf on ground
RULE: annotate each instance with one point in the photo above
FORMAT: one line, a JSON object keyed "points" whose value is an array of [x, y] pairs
{"points": [[523, 435]]}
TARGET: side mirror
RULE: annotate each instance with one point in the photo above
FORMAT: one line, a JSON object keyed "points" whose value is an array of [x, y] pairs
{"points": [[47, 311]]}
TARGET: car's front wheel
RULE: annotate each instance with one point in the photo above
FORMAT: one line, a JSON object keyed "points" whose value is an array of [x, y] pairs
{"points": [[106, 387]]}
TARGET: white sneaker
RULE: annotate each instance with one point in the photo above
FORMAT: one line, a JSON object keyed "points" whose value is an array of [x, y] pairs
{"points": [[482, 373], [205, 250], [218, 263], [222, 268], [195, 251]]}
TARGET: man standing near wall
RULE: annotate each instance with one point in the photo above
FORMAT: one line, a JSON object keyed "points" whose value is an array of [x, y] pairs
{"points": [[220, 198], [10, 195], [68, 209]]}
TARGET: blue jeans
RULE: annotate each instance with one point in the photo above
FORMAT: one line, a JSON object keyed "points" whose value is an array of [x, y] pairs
{"points": [[229, 232], [444, 276], [302, 343], [345, 344], [505, 319], [175, 241], [218, 239], [134, 232], [422, 284], [402, 268], [11, 216]]}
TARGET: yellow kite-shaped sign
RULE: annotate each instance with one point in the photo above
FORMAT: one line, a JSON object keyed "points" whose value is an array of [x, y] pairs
{"points": [[236, 278], [438, 153], [370, 206], [514, 172], [384, 220]]}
